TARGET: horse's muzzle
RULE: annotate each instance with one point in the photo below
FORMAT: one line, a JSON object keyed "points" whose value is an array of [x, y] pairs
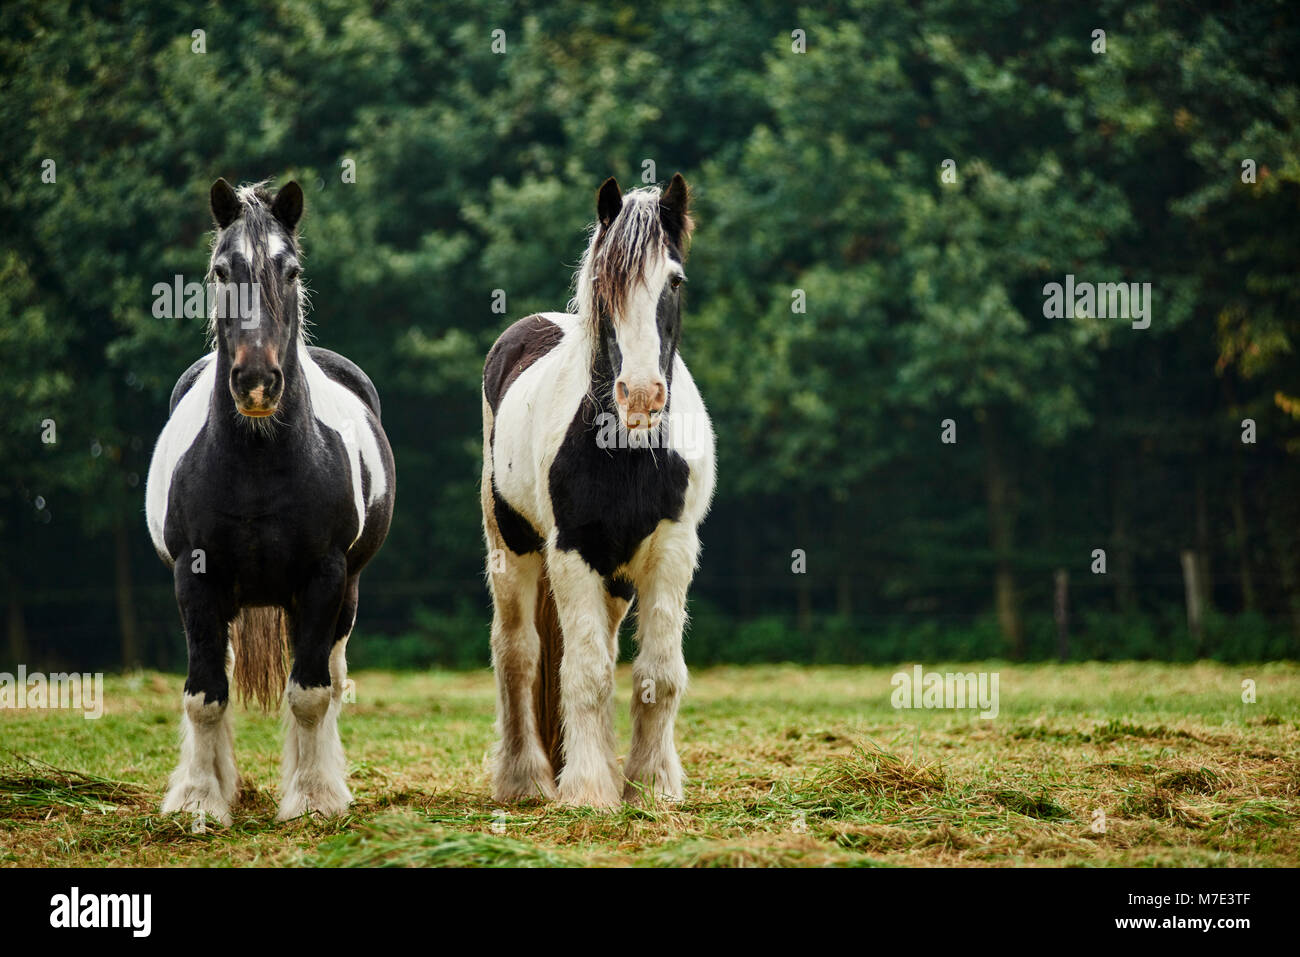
{"points": [[256, 392], [641, 405]]}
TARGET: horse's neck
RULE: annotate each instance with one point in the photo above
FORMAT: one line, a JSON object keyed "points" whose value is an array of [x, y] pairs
{"points": [[294, 408], [600, 374]]}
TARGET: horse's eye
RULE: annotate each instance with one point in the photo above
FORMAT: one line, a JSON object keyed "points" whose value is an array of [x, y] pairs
{"points": [[676, 281], [292, 273]]}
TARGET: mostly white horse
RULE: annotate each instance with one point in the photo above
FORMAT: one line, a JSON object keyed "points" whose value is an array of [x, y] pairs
{"points": [[598, 467]]}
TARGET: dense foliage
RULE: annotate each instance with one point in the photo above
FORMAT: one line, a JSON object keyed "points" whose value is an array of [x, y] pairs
{"points": [[849, 292]]}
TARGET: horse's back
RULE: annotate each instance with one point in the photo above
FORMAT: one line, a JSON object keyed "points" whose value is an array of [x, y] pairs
{"points": [[348, 374], [522, 344], [187, 380]]}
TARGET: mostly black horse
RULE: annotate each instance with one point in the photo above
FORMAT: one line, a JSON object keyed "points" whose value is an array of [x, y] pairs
{"points": [[270, 489]]}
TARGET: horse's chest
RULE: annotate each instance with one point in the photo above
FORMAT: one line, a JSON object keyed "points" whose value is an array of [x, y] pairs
{"points": [[607, 501], [255, 518]]}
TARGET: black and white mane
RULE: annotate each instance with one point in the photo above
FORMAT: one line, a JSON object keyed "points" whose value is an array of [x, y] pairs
{"points": [[598, 466]]}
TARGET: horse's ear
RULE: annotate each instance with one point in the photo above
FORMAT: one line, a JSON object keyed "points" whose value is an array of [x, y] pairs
{"points": [[287, 205], [608, 201], [224, 203], [674, 211]]}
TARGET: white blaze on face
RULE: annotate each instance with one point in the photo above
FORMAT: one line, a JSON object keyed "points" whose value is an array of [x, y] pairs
{"points": [[245, 244], [640, 389]]}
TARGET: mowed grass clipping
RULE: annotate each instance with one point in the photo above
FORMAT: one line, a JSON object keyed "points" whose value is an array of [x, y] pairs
{"points": [[1091, 764]]}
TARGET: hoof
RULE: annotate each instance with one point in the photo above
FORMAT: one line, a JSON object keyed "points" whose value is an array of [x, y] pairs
{"points": [[523, 780], [601, 795], [328, 799], [198, 798], [660, 782]]}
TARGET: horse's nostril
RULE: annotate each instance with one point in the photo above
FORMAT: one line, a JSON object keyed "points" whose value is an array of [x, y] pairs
{"points": [[620, 390], [266, 383]]}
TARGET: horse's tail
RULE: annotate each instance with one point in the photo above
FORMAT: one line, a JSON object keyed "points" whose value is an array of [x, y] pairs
{"points": [[551, 652], [259, 640]]}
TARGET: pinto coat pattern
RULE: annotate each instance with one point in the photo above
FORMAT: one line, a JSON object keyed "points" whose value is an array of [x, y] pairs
{"points": [[270, 488], [598, 466]]}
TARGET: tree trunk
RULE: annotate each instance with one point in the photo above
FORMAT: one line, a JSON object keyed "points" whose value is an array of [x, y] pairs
{"points": [[1203, 545], [1240, 525], [1191, 572], [1242, 532], [125, 594], [846, 548], [744, 571], [802, 587], [1002, 521], [1122, 564], [1282, 542], [844, 595], [17, 622], [1061, 612]]}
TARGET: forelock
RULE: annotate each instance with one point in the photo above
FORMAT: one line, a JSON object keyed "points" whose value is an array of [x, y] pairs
{"points": [[251, 234], [620, 254]]}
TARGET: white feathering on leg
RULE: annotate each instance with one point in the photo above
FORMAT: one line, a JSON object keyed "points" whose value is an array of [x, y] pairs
{"points": [[205, 781], [314, 768]]}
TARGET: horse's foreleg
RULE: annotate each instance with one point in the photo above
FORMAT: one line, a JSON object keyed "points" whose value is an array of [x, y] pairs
{"points": [[520, 766], [590, 775], [342, 632], [664, 570], [313, 771], [205, 781]]}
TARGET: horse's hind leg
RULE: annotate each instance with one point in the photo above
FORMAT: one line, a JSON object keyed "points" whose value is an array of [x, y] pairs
{"points": [[664, 568], [314, 769], [205, 781], [520, 766]]}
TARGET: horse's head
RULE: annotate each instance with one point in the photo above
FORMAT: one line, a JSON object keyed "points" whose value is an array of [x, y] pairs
{"points": [[629, 285], [254, 271]]}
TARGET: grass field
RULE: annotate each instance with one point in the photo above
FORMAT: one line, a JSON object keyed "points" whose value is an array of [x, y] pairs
{"points": [[785, 765]]}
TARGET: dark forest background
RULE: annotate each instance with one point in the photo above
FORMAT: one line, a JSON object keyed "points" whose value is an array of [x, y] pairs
{"points": [[1171, 158]]}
